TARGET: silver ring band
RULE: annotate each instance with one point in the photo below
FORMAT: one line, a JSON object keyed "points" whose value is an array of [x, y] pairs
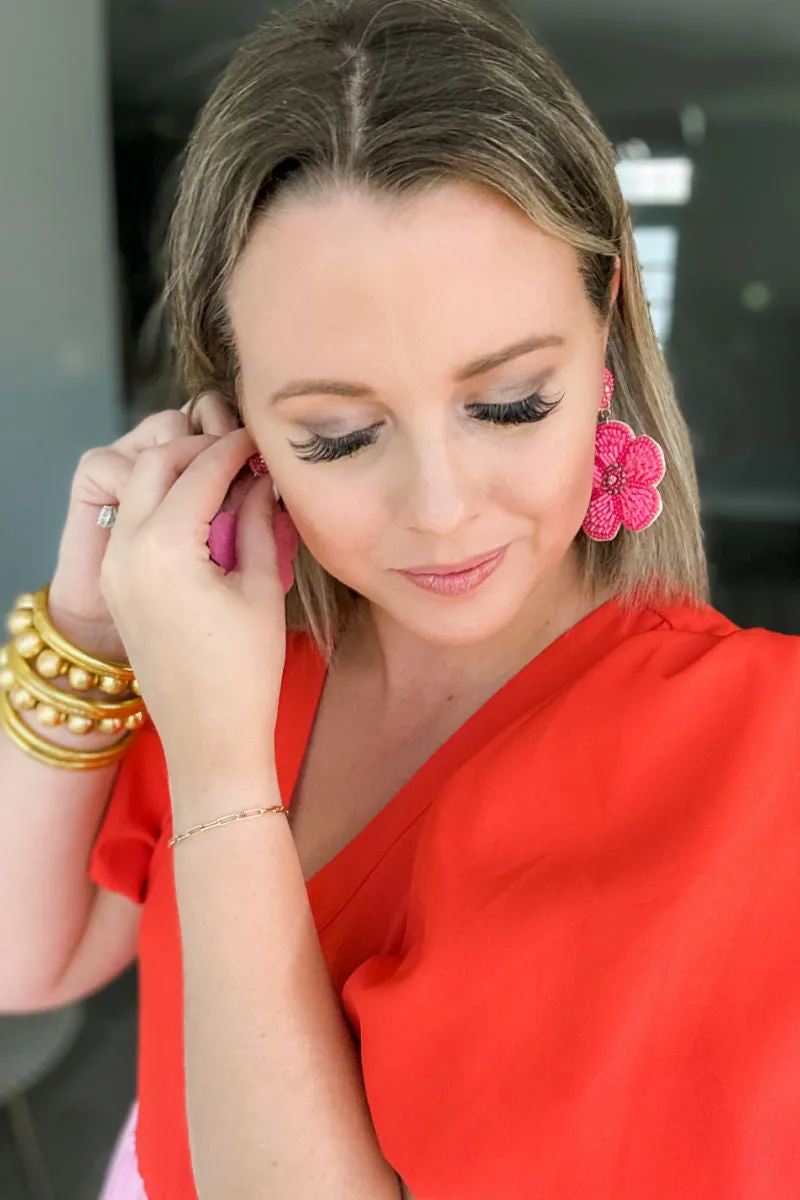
{"points": [[108, 516]]}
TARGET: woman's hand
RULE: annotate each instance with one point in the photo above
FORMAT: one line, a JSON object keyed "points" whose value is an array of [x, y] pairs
{"points": [[77, 605], [207, 647]]}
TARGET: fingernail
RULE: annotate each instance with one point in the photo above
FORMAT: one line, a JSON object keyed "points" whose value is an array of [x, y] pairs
{"points": [[222, 540]]}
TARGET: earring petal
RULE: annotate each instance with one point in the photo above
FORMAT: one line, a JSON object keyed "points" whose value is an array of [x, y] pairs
{"points": [[644, 461], [602, 522], [640, 505], [611, 441]]}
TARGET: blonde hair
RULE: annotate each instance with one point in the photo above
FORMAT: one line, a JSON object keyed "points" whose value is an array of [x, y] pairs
{"points": [[399, 95]]}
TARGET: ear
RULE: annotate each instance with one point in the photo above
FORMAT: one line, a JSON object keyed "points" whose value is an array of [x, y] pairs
{"points": [[613, 296], [616, 280]]}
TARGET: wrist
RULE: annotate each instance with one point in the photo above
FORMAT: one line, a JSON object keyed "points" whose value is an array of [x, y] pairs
{"points": [[98, 638], [203, 790], [101, 642]]}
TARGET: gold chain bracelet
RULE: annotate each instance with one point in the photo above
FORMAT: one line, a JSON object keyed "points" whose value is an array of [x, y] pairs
{"points": [[228, 819]]}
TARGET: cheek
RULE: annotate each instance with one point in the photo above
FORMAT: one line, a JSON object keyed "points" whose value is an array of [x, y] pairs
{"points": [[338, 515], [551, 481], [337, 522]]}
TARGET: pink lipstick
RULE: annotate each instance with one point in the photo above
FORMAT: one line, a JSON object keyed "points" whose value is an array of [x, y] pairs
{"points": [[459, 578]]}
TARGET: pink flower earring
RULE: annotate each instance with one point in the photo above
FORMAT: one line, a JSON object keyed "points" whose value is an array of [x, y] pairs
{"points": [[222, 532], [627, 472], [258, 466]]}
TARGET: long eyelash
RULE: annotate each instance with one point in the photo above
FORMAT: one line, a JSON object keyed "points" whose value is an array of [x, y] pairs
{"points": [[321, 449], [521, 412]]}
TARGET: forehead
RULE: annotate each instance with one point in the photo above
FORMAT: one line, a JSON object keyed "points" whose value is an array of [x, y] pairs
{"points": [[352, 276]]}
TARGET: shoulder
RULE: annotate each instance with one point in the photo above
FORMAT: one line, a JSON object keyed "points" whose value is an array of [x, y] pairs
{"points": [[712, 705], [698, 654], [674, 693]]}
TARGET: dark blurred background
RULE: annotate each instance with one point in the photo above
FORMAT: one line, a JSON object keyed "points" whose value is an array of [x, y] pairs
{"points": [[702, 99]]}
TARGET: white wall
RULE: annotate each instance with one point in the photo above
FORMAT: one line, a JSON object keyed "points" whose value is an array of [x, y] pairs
{"points": [[59, 380]]}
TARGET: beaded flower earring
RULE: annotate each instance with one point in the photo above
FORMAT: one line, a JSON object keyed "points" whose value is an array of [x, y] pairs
{"points": [[627, 472], [222, 532]]}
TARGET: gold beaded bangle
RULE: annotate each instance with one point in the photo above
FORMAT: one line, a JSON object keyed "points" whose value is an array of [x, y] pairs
{"points": [[31, 685], [50, 754], [228, 819], [65, 702], [35, 636]]}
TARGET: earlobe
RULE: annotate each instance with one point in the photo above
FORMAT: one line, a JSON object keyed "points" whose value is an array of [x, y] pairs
{"points": [[259, 467]]}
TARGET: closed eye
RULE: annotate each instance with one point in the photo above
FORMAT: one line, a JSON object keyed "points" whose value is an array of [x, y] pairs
{"points": [[317, 448], [325, 449], [520, 412]]}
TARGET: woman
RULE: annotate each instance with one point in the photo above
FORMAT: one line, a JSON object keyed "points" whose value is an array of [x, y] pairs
{"points": [[515, 914]]}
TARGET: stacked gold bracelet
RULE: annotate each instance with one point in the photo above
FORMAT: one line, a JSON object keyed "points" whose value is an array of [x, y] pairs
{"points": [[38, 653]]}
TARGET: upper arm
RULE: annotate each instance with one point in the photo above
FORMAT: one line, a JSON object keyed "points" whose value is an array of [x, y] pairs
{"points": [[119, 868]]}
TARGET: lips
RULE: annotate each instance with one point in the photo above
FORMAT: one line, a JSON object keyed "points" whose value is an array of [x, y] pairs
{"points": [[454, 568]]}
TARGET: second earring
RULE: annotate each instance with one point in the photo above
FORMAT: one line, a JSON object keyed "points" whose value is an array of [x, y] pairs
{"points": [[627, 472]]}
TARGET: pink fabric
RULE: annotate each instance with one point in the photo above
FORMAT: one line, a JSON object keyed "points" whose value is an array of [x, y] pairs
{"points": [[123, 1181]]}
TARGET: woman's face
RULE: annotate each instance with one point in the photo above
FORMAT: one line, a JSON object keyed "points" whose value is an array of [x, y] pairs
{"points": [[423, 378]]}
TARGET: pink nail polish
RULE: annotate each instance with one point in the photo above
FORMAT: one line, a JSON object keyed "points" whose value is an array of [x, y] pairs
{"points": [[222, 543], [222, 540]]}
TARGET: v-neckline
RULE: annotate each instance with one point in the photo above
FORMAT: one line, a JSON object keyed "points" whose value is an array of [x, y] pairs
{"points": [[333, 886]]}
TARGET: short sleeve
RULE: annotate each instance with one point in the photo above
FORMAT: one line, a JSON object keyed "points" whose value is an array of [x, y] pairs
{"points": [[133, 820]]}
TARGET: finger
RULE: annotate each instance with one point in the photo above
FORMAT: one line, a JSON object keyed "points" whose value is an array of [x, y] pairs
{"points": [[155, 430], [100, 479], [266, 538], [153, 477], [212, 413], [255, 544], [198, 494]]}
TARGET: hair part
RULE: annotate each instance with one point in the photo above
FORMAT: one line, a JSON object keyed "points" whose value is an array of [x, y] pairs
{"points": [[398, 96]]}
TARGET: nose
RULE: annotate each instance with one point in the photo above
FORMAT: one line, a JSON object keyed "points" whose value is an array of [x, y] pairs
{"points": [[437, 492]]}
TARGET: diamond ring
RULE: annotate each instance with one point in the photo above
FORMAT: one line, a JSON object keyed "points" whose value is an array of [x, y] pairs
{"points": [[108, 516]]}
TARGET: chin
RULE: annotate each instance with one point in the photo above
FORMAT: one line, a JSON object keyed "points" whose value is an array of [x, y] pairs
{"points": [[464, 622]]}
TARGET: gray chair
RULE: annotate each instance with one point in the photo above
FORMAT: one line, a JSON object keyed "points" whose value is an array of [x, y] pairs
{"points": [[31, 1046]]}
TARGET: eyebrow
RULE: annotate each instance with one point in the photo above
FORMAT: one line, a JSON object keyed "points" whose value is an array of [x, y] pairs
{"points": [[478, 366]]}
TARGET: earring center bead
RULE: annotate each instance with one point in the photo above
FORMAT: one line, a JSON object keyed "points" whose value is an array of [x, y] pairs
{"points": [[614, 480]]}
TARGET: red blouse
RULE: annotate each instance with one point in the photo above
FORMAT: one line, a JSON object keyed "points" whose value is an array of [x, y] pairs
{"points": [[568, 946]]}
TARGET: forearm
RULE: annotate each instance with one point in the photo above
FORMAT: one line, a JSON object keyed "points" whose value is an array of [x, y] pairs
{"points": [[275, 1098]]}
